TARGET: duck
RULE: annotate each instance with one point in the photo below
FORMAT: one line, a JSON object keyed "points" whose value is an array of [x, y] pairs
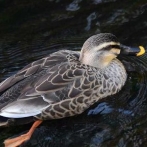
{"points": [[64, 83]]}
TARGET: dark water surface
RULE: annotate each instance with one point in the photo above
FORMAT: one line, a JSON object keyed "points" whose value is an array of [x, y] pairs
{"points": [[30, 30]]}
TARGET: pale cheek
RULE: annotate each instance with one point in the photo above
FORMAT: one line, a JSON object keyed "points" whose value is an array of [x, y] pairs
{"points": [[108, 58], [117, 51]]}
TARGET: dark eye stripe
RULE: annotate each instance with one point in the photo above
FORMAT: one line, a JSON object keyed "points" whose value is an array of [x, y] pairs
{"points": [[109, 47]]}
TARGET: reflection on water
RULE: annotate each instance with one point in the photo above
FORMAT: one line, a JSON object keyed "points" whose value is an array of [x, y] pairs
{"points": [[30, 30]]}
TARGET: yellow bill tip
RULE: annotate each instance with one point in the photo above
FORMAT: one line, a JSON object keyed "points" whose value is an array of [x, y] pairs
{"points": [[142, 51]]}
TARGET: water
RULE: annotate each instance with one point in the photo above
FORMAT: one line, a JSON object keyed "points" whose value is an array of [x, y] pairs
{"points": [[30, 30]]}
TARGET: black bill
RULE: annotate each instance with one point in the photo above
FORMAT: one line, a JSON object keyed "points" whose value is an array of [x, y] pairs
{"points": [[134, 51]]}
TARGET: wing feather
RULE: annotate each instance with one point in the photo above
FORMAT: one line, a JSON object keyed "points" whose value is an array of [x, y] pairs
{"points": [[34, 67], [57, 84], [22, 108]]}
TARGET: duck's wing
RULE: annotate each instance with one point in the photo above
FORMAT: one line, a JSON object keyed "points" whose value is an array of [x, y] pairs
{"points": [[59, 84], [35, 67], [62, 81]]}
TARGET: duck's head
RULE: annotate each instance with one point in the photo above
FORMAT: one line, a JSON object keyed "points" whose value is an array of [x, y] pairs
{"points": [[99, 50]]}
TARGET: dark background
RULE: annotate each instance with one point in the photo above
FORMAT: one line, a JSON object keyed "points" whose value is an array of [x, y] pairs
{"points": [[30, 30]]}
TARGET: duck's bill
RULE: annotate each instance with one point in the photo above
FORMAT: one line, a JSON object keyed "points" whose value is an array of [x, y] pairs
{"points": [[133, 51]]}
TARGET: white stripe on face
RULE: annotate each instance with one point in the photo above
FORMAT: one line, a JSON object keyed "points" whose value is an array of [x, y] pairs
{"points": [[103, 45]]}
